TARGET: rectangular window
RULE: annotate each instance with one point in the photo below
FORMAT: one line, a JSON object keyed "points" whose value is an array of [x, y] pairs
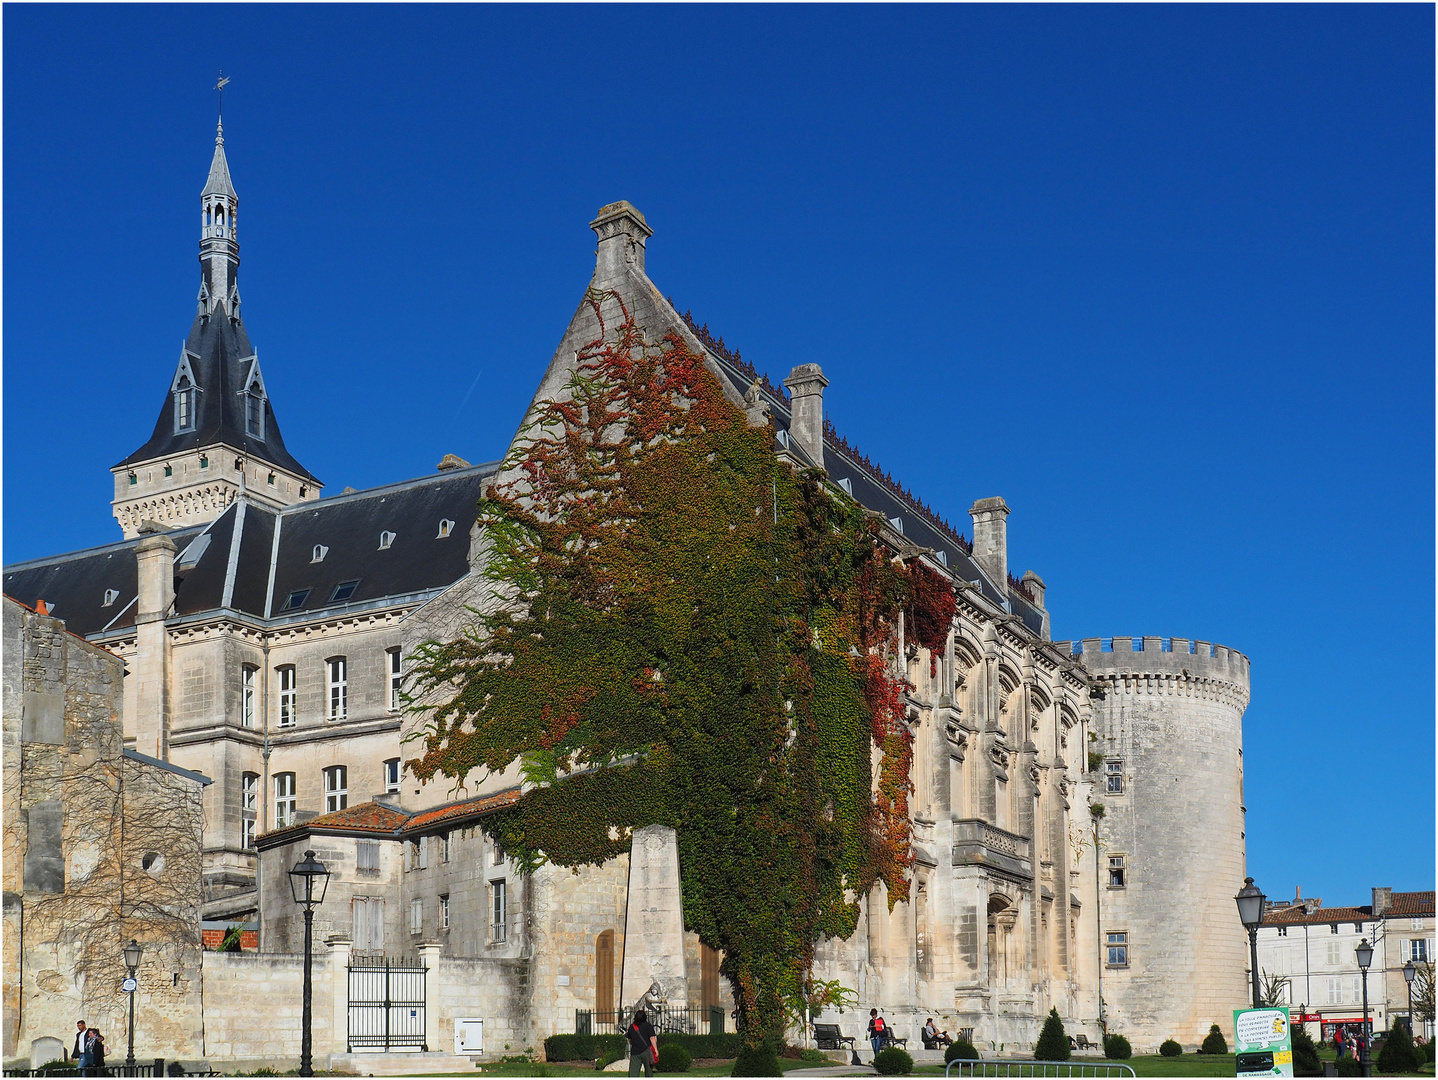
{"points": [[444, 912], [1113, 770], [391, 776], [366, 855], [444, 848], [1335, 991], [496, 853], [1118, 949], [368, 925], [249, 808], [336, 788], [295, 599], [254, 415], [184, 410], [394, 680], [284, 799], [499, 925], [1335, 954], [247, 695], [416, 916], [287, 695], [339, 688], [343, 591], [1418, 949], [424, 853], [1116, 871]]}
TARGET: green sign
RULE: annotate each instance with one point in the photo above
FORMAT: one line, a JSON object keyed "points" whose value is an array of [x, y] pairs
{"points": [[1263, 1044]]}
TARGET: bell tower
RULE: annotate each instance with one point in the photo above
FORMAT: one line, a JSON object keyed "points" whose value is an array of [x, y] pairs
{"points": [[217, 435]]}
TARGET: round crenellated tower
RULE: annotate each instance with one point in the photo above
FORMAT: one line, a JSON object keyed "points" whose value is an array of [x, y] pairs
{"points": [[1165, 757]]}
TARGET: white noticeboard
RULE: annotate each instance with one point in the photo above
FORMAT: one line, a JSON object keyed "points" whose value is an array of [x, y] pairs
{"points": [[468, 1035]]}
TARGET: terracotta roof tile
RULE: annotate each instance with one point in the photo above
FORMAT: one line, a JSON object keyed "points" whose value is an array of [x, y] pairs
{"points": [[1318, 917], [468, 808], [1411, 903], [370, 817]]}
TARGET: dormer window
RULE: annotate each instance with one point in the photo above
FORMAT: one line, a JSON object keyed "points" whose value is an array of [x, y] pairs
{"points": [[343, 591], [254, 414], [111, 595], [445, 528], [320, 552], [134, 479], [184, 408], [204, 462], [385, 540]]}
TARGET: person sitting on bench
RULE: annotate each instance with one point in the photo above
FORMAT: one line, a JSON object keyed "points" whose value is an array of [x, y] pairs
{"points": [[933, 1037]]}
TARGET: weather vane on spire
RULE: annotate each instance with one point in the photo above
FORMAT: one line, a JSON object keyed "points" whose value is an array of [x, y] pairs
{"points": [[220, 88]]}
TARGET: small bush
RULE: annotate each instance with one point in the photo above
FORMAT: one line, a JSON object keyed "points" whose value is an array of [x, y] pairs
{"points": [[674, 1058], [960, 1050], [583, 1047], [893, 1062], [1305, 1054], [1116, 1048], [815, 1057], [1428, 1050], [1398, 1054], [1053, 1044], [756, 1061], [1170, 1048], [1215, 1043], [1348, 1066]]}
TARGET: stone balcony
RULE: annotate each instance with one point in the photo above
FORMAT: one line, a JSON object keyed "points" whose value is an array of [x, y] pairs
{"points": [[977, 843]]}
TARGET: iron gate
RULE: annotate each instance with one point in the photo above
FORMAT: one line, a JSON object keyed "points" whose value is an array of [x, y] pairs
{"points": [[386, 1004]]}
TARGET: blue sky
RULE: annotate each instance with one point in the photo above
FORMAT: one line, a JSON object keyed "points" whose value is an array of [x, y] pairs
{"points": [[1163, 277]]}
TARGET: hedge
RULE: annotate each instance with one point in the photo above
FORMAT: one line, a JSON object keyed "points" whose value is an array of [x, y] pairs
{"points": [[589, 1047]]}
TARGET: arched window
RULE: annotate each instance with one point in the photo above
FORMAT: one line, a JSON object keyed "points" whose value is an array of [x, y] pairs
{"points": [[254, 414], [184, 405], [249, 808]]}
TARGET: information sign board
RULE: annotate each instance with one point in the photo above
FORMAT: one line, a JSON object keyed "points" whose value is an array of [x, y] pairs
{"points": [[1263, 1042]]}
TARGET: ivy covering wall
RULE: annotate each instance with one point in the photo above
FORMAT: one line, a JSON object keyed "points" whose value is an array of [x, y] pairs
{"points": [[694, 635]]}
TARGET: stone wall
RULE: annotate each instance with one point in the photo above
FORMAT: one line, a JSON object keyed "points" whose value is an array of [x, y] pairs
{"points": [[254, 1004], [1171, 721]]}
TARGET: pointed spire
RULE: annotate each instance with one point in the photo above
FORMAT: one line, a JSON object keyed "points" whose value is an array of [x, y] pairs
{"points": [[219, 181]]}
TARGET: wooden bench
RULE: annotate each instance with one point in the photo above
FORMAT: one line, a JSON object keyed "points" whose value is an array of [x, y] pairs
{"points": [[828, 1037], [894, 1040], [1081, 1042]]}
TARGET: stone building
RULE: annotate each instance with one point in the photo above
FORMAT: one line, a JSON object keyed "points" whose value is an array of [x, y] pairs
{"points": [[1309, 951], [266, 633], [1166, 751], [102, 846]]}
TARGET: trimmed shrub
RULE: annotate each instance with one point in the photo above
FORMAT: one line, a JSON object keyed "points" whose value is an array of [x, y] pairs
{"points": [[757, 1061], [1305, 1054], [893, 1062], [1398, 1054], [1215, 1043], [1169, 1048], [1053, 1044], [1116, 1048], [815, 1057], [958, 1049], [584, 1047], [1348, 1066], [674, 1058]]}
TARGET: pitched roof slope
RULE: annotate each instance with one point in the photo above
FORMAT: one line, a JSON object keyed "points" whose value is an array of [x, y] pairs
{"points": [[384, 820]]}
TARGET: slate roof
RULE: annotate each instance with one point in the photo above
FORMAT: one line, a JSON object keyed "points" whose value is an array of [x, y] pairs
{"points": [[349, 526], [218, 182], [221, 359], [382, 820]]}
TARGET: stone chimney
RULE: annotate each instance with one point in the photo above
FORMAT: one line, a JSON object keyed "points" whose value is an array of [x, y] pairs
{"points": [[1035, 585], [622, 232], [806, 389], [155, 555], [991, 540], [1382, 901]]}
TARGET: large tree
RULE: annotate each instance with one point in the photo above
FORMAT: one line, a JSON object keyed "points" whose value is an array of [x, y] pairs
{"points": [[688, 633]]}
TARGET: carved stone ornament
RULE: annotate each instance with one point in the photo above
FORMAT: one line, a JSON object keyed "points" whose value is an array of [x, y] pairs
{"points": [[1034, 774], [1000, 756], [958, 738]]}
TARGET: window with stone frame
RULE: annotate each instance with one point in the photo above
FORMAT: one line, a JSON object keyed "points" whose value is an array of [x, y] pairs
{"points": [[366, 855], [249, 808], [444, 848], [284, 799], [339, 687], [1117, 871], [416, 916], [248, 695], [1117, 946], [336, 788], [286, 674], [499, 911], [444, 912], [391, 775], [1113, 777], [395, 679], [1418, 949], [368, 924]]}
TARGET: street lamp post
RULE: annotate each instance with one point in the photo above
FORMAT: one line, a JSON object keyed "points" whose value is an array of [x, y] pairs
{"points": [[132, 964], [1365, 957], [303, 879], [1409, 971], [1250, 900]]}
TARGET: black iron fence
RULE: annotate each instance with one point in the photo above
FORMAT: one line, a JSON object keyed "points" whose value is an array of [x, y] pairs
{"points": [[155, 1067], [666, 1020]]}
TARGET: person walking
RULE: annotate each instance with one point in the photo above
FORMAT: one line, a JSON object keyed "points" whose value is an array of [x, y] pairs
{"points": [[1338, 1042], [643, 1045], [79, 1041], [878, 1031], [95, 1052]]}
